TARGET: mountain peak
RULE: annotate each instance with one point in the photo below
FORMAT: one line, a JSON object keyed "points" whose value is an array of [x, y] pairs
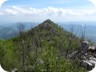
{"points": [[49, 26], [48, 21]]}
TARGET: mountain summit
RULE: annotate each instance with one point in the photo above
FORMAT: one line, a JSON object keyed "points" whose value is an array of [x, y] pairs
{"points": [[50, 26], [48, 21]]}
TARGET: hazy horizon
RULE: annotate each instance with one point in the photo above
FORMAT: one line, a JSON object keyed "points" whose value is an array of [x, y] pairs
{"points": [[89, 23]]}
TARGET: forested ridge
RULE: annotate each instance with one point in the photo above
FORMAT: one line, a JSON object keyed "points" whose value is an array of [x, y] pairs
{"points": [[44, 48]]}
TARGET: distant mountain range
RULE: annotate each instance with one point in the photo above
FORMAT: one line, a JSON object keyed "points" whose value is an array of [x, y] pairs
{"points": [[11, 30], [90, 30], [7, 32]]}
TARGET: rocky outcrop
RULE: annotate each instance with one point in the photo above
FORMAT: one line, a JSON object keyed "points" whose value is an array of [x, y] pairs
{"points": [[85, 55]]}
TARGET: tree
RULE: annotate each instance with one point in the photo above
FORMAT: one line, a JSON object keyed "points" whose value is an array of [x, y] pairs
{"points": [[83, 29], [21, 27]]}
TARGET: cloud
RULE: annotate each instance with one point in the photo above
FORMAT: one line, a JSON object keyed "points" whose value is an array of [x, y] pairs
{"points": [[11, 11], [2, 1], [52, 11], [93, 2], [59, 14]]}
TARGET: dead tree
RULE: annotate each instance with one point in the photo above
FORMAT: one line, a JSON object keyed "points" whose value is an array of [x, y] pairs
{"points": [[71, 36], [83, 29], [21, 27]]}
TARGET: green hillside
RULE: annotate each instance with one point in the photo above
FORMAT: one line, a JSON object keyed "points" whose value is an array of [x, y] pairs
{"points": [[42, 49]]}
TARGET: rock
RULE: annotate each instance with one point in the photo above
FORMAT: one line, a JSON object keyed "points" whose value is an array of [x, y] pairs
{"points": [[14, 70], [87, 65]]}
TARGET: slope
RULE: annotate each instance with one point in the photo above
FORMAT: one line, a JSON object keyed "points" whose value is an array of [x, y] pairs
{"points": [[42, 49]]}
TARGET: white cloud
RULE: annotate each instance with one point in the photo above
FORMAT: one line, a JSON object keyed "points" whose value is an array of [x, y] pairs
{"points": [[52, 11], [1, 2], [11, 11], [93, 2], [18, 10]]}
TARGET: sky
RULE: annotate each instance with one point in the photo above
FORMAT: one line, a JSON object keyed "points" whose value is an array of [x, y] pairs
{"points": [[38, 10]]}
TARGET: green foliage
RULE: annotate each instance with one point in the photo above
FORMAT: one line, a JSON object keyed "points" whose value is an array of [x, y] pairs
{"points": [[44, 47]]}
